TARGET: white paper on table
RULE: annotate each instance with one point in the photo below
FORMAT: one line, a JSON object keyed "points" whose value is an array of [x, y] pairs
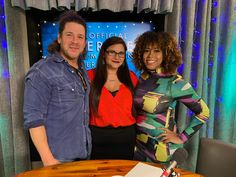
{"points": [[144, 170]]}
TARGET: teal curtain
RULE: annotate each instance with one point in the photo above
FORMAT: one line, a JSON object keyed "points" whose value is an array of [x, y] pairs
{"points": [[14, 150], [206, 32]]}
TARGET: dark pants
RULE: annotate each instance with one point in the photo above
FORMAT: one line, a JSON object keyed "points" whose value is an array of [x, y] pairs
{"points": [[113, 143]]}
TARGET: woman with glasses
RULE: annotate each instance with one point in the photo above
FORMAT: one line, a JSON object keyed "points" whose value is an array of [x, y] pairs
{"points": [[112, 120]]}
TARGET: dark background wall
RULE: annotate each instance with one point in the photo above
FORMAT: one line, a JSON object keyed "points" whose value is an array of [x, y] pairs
{"points": [[36, 17]]}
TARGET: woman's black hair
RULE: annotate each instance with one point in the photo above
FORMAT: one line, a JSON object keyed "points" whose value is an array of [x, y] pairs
{"points": [[101, 73]]}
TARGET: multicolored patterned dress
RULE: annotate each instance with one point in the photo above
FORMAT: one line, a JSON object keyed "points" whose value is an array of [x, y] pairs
{"points": [[155, 100]]}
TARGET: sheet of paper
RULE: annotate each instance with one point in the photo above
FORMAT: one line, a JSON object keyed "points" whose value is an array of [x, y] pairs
{"points": [[144, 170]]}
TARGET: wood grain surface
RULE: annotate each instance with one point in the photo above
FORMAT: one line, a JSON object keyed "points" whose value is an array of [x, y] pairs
{"points": [[92, 168]]}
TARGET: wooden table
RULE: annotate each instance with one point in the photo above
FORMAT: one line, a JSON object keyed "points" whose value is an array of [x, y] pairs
{"points": [[92, 168]]}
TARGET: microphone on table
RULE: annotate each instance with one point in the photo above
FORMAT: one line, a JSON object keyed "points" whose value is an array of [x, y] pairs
{"points": [[179, 156]]}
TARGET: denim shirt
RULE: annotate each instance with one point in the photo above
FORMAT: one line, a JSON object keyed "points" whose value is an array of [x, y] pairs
{"points": [[55, 97]]}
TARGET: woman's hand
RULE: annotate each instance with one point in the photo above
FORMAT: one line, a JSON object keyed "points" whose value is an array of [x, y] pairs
{"points": [[170, 136]]}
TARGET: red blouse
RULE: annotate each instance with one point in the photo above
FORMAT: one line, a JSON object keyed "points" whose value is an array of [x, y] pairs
{"points": [[115, 110]]}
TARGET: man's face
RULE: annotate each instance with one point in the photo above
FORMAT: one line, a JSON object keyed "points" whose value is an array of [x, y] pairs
{"points": [[72, 41]]}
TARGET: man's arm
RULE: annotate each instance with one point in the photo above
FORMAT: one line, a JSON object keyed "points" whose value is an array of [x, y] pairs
{"points": [[39, 138]]}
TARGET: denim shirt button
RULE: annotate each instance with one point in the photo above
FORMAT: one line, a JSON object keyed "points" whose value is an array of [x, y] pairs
{"points": [[73, 90]]}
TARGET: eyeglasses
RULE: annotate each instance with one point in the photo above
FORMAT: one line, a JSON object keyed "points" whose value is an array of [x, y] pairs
{"points": [[113, 53]]}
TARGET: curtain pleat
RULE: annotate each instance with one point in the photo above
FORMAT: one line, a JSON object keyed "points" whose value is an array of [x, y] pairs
{"points": [[19, 3], [172, 20], [64, 3], [165, 6], [157, 6], [42, 4], [2, 173]]}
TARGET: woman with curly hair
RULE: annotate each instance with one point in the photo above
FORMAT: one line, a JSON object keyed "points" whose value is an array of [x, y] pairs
{"points": [[157, 56]]}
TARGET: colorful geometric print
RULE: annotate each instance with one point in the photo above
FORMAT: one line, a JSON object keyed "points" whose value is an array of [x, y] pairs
{"points": [[155, 100]]}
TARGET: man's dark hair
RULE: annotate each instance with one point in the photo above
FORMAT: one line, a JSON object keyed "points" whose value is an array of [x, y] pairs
{"points": [[66, 17]]}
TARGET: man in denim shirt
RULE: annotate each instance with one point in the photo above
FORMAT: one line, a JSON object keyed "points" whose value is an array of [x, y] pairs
{"points": [[57, 94]]}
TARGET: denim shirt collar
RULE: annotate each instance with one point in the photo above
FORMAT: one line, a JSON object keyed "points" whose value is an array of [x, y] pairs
{"points": [[58, 58]]}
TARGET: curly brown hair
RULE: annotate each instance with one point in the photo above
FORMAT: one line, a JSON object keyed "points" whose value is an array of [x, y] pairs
{"points": [[167, 43]]}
